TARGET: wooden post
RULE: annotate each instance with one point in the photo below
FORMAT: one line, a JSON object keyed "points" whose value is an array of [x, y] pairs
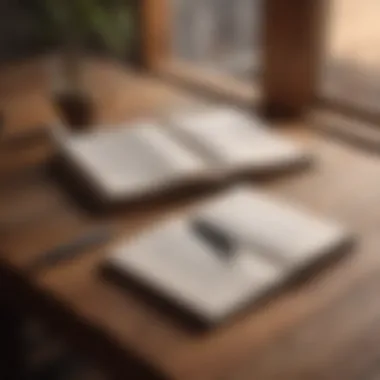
{"points": [[292, 44], [153, 32]]}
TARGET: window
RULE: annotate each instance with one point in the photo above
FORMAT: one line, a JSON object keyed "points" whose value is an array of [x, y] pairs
{"points": [[221, 35], [210, 44], [351, 71], [230, 46]]}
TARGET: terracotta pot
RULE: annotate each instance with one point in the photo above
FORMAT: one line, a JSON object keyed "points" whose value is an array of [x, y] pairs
{"points": [[75, 108], [69, 96]]}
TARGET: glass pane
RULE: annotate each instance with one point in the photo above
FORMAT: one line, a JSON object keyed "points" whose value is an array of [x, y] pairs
{"points": [[217, 34], [352, 67]]}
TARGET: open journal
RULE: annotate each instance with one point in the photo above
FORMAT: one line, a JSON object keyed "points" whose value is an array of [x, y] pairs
{"points": [[134, 161], [230, 251]]}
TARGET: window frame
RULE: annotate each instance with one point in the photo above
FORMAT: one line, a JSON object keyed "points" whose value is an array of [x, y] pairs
{"points": [[292, 49]]}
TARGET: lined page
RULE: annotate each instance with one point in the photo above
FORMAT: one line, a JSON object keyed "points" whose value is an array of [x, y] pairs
{"points": [[231, 138], [174, 261], [130, 160], [284, 232]]}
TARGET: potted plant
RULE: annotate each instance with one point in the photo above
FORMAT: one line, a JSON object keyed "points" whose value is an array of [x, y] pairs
{"points": [[75, 23]]}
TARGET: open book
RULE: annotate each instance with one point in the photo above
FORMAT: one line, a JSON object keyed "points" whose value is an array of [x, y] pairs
{"points": [[134, 161], [231, 250]]}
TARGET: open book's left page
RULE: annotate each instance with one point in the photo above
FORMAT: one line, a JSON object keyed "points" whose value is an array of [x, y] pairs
{"points": [[130, 161]]}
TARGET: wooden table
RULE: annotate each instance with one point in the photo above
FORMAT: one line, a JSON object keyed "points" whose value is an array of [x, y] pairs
{"points": [[326, 328]]}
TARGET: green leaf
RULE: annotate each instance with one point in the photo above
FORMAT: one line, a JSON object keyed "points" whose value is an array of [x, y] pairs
{"points": [[79, 19]]}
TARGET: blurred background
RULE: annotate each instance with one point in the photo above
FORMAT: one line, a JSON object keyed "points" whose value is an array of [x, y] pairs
{"points": [[220, 40]]}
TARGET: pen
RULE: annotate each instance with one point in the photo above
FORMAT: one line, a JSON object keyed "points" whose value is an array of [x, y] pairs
{"points": [[73, 248]]}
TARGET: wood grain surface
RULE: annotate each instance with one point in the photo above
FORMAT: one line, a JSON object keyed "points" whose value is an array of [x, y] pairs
{"points": [[325, 328]]}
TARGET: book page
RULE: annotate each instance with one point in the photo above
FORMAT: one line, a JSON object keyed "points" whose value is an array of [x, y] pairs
{"points": [[173, 260], [232, 138], [131, 160], [286, 233], [179, 159]]}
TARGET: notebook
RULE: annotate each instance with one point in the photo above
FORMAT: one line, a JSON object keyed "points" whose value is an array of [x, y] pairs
{"points": [[229, 252], [194, 147]]}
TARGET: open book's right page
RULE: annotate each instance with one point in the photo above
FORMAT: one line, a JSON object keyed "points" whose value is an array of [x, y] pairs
{"points": [[284, 233], [236, 141]]}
